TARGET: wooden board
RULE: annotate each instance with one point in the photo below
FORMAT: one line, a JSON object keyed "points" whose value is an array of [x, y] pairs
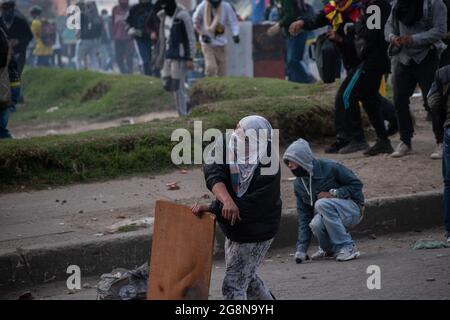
{"points": [[181, 256]]}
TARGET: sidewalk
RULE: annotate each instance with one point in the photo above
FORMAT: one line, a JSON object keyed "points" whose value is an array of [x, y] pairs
{"points": [[405, 274]]}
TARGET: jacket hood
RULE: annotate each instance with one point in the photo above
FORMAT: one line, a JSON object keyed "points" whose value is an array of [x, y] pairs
{"points": [[300, 153]]}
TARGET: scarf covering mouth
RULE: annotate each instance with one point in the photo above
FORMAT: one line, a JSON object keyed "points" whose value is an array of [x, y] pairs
{"points": [[409, 12], [211, 23], [258, 132], [335, 13]]}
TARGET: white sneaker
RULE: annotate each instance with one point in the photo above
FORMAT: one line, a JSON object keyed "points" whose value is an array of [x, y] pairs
{"points": [[348, 253], [320, 254], [437, 154], [300, 257], [401, 150]]}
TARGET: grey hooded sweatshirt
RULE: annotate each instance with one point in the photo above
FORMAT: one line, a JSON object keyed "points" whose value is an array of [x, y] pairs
{"points": [[324, 175]]}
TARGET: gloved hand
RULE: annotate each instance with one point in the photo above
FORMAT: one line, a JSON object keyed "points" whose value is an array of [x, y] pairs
{"points": [[236, 39], [206, 39]]}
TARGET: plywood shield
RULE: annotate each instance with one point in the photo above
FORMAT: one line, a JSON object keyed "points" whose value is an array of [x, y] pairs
{"points": [[181, 257]]}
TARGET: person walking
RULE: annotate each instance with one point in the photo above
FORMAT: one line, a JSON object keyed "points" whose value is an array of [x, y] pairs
{"points": [[123, 44], [44, 37]]}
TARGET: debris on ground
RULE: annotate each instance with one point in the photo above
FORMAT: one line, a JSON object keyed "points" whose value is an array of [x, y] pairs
{"points": [[127, 225], [183, 171], [172, 186], [430, 244], [122, 284]]}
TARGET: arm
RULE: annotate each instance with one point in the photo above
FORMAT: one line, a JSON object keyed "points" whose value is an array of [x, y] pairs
{"points": [[27, 35], [197, 19], [438, 30], [320, 20], [36, 29], [190, 34], [232, 21], [391, 28], [438, 89], [351, 185]]}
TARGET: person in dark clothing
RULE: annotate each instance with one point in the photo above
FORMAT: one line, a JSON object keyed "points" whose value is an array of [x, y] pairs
{"points": [[89, 36], [247, 206], [12, 82], [123, 44], [415, 30], [18, 31], [365, 81], [438, 98], [445, 56], [337, 15], [136, 21]]}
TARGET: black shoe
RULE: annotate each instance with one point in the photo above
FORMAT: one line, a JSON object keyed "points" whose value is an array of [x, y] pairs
{"points": [[335, 147], [354, 146], [381, 146]]}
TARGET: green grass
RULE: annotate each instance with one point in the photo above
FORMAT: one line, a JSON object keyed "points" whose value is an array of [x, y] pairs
{"points": [[146, 148], [86, 95]]}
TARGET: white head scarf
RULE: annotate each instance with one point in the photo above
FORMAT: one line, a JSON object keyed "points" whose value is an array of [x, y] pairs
{"points": [[243, 164]]}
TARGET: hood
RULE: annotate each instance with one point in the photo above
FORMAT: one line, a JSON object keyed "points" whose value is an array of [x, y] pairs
{"points": [[300, 153]]}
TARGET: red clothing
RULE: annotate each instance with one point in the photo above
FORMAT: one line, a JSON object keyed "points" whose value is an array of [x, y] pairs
{"points": [[119, 24]]}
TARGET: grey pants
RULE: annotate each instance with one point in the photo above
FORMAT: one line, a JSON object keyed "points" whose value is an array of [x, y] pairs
{"points": [[241, 281], [177, 70]]}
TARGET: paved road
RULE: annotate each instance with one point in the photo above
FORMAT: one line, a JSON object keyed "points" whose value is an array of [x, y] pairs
{"points": [[405, 274]]}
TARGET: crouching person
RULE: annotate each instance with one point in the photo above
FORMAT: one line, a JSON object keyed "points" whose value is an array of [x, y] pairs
{"points": [[329, 201]]}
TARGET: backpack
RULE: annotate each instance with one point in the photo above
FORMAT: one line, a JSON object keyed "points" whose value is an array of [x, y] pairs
{"points": [[48, 33]]}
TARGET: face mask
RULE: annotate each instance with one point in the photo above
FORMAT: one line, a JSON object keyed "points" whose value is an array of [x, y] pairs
{"points": [[169, 7], [300, 172], [215, 4]]}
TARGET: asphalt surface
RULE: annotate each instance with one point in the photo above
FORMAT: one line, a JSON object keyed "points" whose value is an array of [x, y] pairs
{"points": [[405, 273]]}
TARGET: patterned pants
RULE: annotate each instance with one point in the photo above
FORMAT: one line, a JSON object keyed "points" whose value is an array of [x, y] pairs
{"points": [[241, 281]]}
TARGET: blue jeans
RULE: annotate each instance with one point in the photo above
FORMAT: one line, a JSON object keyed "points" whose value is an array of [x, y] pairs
{"points": [[144, 46], [44, 61], [296, 69], [330, 223], [4, 115], [446, 174]]}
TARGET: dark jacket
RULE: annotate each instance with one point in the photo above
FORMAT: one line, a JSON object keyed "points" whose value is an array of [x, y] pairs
{"points": [[259, 207], [327, 175], [371, 45], [20, 30], [438, 96], [290, 11], [139, 14], [346, 48]]}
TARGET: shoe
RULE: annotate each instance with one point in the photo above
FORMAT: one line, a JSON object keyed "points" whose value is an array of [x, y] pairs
{"points": [[335, 147], [354, 146], [348, 253], [437, 154], [381, 146], [401, 151], [320, 255], [300, 257]]}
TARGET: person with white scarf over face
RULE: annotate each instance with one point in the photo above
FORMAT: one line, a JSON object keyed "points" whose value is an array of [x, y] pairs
{"points": [[211, 18], [247, 206]]}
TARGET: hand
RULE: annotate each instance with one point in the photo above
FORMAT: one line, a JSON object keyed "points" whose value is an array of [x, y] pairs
{"points": [[324, 195], [231, 212], [395, 41], [206, 39], [190, 64], [153, 36], [406, 40], [236, 39], [273, 30], [334, 36], [199, 209], [296, 27]]}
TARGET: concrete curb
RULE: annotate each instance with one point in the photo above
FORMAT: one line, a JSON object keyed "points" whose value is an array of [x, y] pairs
{"points": [[37, 265]]}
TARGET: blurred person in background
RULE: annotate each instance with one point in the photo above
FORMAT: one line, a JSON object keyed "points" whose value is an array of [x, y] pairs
{"points": [[44, 34], [211, 19], [106, 42], [124, 49], [18, 31], [137, 28]]}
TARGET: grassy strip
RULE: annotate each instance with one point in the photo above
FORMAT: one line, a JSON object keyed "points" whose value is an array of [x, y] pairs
{"points": [[86, 95], [146, 148]]}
